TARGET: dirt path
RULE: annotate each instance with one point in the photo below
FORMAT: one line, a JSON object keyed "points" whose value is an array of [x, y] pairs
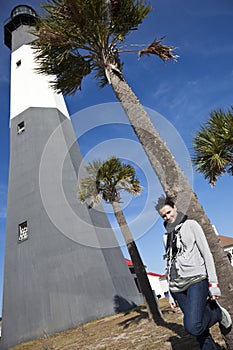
{"points": [[125, 331]]}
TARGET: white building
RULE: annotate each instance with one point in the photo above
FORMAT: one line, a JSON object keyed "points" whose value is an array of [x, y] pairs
{"points": [[157, 281], [227, 244]]}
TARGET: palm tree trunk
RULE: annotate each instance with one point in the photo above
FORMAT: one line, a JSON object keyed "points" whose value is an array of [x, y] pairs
{"points": [[174, 183], [149, 297]]}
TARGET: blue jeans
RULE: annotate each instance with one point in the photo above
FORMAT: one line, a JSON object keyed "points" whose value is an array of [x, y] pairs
{"points": [[200, 313]]}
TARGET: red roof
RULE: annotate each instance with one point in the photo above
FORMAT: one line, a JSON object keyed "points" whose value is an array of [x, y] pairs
{"points": [[128, 262], [226, 241], [155, 274]]}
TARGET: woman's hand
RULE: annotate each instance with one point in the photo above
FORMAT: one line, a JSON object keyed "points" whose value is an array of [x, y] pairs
{"points": [[173, 306]]}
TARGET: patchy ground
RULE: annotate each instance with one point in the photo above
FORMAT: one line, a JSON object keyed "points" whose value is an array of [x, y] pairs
{"points": [[125, 331]]}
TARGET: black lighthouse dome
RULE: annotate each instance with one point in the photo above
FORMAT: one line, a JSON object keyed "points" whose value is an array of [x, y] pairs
{"points": [[23, 10], [20, 15]]}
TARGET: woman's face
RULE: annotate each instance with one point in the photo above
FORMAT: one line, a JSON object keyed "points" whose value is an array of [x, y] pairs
{"points": [[168, 213]]}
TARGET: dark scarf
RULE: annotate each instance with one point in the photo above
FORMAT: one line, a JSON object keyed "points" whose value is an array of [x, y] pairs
{"points": [[172, 233]]}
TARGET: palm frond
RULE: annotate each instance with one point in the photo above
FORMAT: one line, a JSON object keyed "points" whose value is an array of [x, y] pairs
{"points": [[130, 185], [67, 67], [125, 16], [93, 167], [213, 146], [163, 51]]}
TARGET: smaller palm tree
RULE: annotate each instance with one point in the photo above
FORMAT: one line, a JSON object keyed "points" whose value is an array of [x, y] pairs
{"points": [[105, 182], [213, 146]]}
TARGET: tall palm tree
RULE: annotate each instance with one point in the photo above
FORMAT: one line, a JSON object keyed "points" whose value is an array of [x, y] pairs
{"points": [[106, 181], [77, 37], [213, 146]]}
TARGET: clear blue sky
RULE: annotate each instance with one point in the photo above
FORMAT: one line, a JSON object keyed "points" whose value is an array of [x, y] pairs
{"points": [[179, 96]]}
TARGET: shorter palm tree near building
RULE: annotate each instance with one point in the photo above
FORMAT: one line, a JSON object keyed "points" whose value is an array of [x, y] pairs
{"points": [[105, 181]]}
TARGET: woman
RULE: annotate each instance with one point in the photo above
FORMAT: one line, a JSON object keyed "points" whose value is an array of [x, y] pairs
{"points": [[191, 274]]}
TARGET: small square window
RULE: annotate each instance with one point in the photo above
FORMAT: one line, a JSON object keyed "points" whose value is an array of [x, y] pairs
{"points": [[18, 64], [23, 231], [20, 128]]}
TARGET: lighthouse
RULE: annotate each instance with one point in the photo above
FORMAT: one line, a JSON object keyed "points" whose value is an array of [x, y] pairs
{"points": [[63, 265]]}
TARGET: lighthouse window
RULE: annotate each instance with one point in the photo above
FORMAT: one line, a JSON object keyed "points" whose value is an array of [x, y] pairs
{"points": [[23, 231], [20, 128], [18, 64]]}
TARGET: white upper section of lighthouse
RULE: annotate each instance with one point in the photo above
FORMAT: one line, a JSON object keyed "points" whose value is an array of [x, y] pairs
{"points": [[30, 89]]}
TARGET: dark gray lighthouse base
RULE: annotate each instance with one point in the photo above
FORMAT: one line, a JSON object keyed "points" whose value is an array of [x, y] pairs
{"points": [[52, 280]]}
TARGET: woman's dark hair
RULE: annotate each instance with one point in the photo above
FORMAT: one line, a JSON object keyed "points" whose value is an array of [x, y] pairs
{"points": [[162, 201]]}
